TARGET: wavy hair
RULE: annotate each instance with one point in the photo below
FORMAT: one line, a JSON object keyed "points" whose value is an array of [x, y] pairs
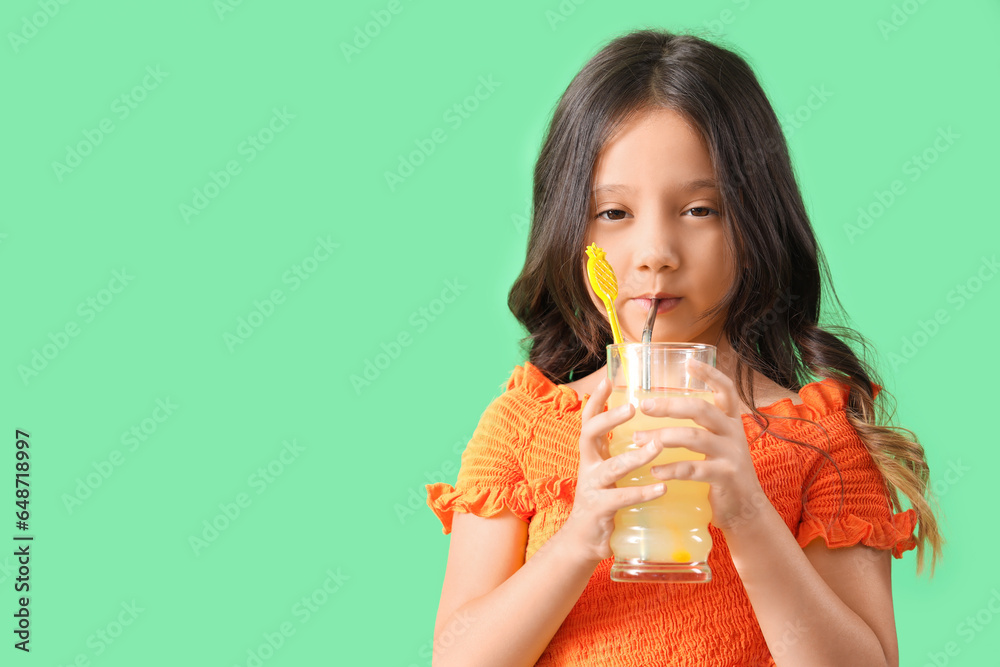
{"points": [[772, 309]]}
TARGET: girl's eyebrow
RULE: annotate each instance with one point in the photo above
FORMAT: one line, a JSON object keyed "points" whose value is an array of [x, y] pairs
{"points": [[701, 184], [690, 186], [613, 188]]}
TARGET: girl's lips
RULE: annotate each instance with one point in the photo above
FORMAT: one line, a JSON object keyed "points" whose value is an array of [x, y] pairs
{"points": [[664, 306]]}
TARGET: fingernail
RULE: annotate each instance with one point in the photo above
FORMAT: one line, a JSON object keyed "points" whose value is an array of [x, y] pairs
{"points": [[651, 445], [647, 404], [639, 437]]}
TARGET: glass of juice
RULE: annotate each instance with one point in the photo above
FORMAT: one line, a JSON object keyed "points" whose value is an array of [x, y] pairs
{"points": [[665, 540]]}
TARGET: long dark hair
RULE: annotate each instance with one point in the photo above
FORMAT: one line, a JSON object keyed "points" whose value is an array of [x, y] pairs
{"points": [[772, 309]]}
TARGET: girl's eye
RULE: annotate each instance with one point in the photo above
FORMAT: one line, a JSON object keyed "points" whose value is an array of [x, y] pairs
{"points": [[615, 211], [702, 211]]}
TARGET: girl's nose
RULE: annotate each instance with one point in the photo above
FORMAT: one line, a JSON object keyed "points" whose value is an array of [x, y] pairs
{"points": [[656, 247]]}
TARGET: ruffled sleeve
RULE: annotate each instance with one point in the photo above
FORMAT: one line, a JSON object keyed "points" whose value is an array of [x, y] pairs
{"points": [[491, 476], [862, 514]]}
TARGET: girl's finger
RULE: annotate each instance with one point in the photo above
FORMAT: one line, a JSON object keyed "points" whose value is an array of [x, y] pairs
{"points": [[595, 403], [696, 439], [721, 384], [594, 432], [603, 422], [693, 471], [700, 411], [616, 499], [616, 467]]}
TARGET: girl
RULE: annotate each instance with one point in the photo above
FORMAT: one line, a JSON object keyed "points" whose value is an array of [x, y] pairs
{"points": [[665, 152]]}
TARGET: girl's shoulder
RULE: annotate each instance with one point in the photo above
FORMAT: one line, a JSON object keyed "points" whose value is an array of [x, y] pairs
{"points": [[771, 394], [529, 383], [813, 401], [527, 396]]}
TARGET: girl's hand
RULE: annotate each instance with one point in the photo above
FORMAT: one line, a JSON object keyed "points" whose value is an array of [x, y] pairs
{"points": [[735, 493], [592, 518]]}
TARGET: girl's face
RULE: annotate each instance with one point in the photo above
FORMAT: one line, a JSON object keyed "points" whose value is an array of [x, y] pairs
{"points": [[657, 213]]}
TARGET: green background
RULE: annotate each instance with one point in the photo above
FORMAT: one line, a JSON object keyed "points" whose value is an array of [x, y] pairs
{"points": [[340, 503]]}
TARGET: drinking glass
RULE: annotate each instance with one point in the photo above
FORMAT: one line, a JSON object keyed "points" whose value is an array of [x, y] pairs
{"points": [[665, 540]]}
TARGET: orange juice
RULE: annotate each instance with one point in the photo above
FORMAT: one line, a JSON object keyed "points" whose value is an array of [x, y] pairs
{"points": [[671, 529]]}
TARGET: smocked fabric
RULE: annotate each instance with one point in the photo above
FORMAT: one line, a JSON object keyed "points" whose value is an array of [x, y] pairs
{"points": [[524, 456]]}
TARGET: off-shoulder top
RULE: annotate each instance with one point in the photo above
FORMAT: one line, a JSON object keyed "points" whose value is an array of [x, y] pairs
{"points": [[524, 456]]}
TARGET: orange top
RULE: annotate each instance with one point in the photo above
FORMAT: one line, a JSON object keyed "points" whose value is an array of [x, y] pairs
{"points": [[525, 453]]}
